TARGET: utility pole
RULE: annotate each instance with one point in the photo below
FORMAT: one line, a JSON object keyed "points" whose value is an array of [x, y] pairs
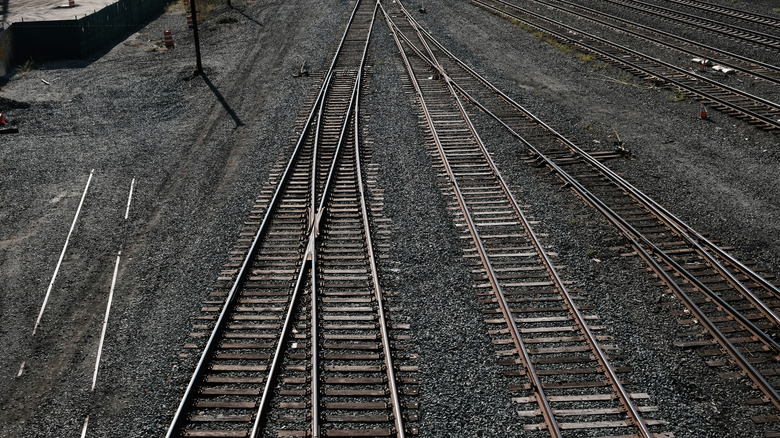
{"points": [[199, 68]]}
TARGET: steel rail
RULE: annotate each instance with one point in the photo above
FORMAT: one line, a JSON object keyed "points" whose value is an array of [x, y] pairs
{"points": [[693, 279], [241, 275], [774, 124], [520, 346], [703, 46], [634, 236], [713, 25], [662, 214], [609, 371], [383, 326], [629, 232], [731, 12], [319, 215], [314, 334], [275, 364], [684, 230], [590, 338], [243, 271]]}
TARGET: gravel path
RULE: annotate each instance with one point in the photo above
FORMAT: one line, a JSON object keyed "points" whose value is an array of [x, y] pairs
{"points": [[200, 150]]}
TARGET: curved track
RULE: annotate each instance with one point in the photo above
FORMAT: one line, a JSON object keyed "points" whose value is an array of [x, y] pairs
{"points": [[300, 344], [562, 374], [732, 306]]}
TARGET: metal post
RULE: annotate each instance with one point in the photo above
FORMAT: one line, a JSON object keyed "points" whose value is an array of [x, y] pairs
{"points": [[199, 68]]}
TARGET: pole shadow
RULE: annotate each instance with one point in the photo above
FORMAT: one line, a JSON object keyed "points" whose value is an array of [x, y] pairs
{"points": [[222, 100], [250, 18]]}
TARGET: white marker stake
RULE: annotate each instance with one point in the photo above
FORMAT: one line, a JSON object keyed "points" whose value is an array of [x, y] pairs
{"points": [[62, 254], [21, 370], [105, 321], [84, 430], [129, 198]]}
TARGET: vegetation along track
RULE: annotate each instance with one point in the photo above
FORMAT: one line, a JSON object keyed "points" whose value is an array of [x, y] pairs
{"points": [[563, 376], [733, 308], [753, 109], [299, 340]]}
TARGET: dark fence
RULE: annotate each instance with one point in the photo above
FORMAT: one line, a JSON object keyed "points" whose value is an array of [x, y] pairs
{"points": [[79, 38], [6, 51]]}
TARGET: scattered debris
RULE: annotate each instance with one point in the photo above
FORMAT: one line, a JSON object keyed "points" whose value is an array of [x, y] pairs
{"points": [[45, 82], [304, 71], [724, 69], [618, 144]]}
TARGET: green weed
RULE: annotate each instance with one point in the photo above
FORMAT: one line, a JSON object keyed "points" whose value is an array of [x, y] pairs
{"points": [[678, 96]]}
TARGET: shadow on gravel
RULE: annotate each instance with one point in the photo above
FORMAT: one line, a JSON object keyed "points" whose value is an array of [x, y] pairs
{"points": [[252, 19], [222, 100]]}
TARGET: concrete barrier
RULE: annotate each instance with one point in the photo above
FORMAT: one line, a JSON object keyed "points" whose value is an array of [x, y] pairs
{"points": [[80, 38]]}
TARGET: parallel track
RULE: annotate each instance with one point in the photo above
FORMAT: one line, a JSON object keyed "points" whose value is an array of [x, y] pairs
{"points": [[299, 342], [731, 303], [715, 55], [753, 109], [746, 36], [730, 12], [563, 377]]}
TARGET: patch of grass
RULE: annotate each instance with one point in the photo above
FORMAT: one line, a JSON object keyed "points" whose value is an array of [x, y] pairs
{"points": [[28, 66], [626, 77], [776, 9], [206, 7], [593, 60], [591, 252], [565, 48], [678, 96], [586, 57], [573, 221], [174, 7]]}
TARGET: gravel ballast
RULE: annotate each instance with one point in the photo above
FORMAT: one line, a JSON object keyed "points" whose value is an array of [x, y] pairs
{"points": [[201, 148]]}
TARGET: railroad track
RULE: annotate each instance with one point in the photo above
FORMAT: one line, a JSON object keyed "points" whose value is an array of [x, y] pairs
{"points": [[689, 47], [742, 35], [299, 343], [729, 12], [753, 109], [555, 362], [730, 308]]}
